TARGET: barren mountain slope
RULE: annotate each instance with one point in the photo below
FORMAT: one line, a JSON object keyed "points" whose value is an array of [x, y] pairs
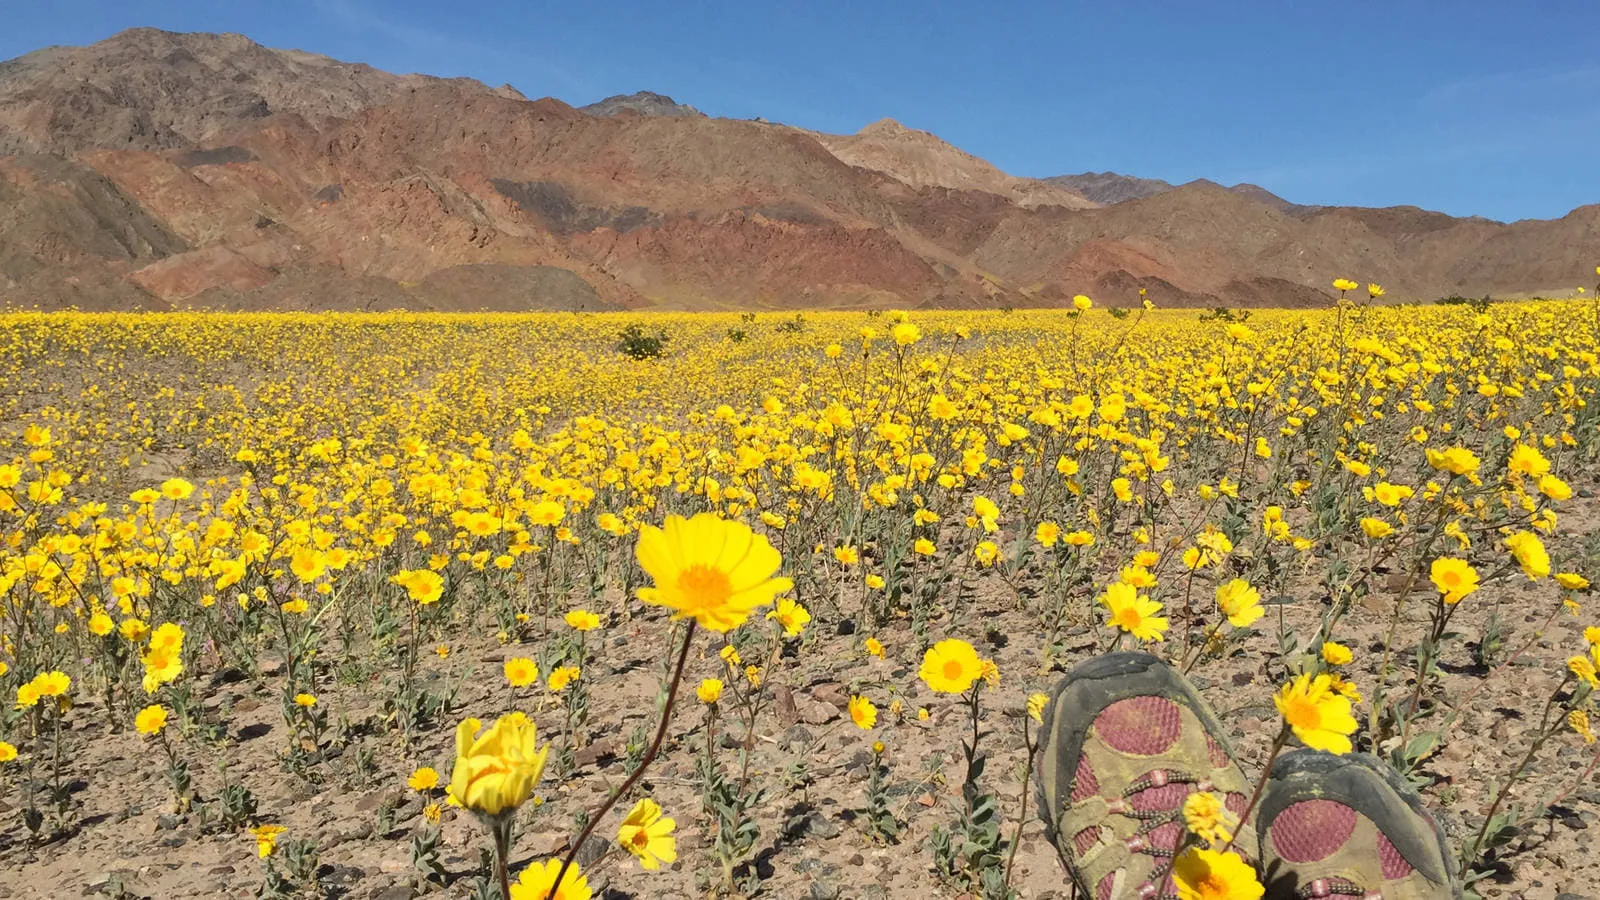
{"points": [[923, 160], [156, 169], [148, 89]]}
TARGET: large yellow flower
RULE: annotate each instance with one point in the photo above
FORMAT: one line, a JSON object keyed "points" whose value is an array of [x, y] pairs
{"points": [[1240, 602], [951, 666], [497, 770], [1208, 875], [791, 615], [1320, 717], [160, 667], [710, 569], [520, 671], [53, 683], [863, 713], [1455, 460], [1454, 578], [150, 720], [1133, 612], [582, 620], [1530, 554], [424, 586], [1526, 460], [538, 882], [710, 690], [647, 834], [266, 839], [1207, 818]]}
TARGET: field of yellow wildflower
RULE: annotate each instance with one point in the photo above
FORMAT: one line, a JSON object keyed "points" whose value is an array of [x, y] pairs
{"points": [[412, 605]]}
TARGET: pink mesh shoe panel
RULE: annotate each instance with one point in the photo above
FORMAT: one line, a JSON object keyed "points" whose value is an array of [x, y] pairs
{"points": [[1312, 830], [1143, 726]]}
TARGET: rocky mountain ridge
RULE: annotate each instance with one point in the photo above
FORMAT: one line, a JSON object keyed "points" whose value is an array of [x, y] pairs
{"points": [[159, 170]]}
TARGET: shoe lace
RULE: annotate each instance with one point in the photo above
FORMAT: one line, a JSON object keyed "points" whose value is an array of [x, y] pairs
{"points": [[1334, 887], [1160, 885]]}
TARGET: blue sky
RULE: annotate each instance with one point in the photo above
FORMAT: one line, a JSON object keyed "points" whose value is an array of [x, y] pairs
{"points": [[1466, 106]]}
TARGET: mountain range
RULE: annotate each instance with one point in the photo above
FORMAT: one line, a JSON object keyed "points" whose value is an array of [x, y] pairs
{"points": [[156, 170]]}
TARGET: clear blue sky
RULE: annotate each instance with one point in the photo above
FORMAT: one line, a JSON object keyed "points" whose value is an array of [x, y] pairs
{"points": [[1467, 106]]}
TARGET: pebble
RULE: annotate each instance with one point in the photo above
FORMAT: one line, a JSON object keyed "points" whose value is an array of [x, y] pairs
{"points": [[796, 737], [816, 712], [823, 890]]}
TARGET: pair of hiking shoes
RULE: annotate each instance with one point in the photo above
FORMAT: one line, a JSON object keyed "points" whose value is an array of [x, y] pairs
{"points": [[1126, 740]]}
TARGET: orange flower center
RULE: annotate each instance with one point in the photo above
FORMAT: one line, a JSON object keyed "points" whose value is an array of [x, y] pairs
{"points": [[1128, 618], [640, 839], [1212, 885], [953, 669], [1300, 712], [705, 586]]}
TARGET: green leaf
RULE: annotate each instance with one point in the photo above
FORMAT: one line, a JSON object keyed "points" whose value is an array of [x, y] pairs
{"points": [[1422, 745]]}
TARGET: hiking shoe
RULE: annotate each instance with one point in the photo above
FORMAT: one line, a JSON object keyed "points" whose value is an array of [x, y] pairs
{"points": [[1125, 741], [1349, 826]]}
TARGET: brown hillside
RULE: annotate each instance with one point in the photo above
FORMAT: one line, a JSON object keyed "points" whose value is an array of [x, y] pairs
{"points": [[155, 170], [922, 160]]}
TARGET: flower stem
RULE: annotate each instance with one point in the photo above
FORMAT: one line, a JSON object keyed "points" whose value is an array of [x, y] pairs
{"points": [[649, 756], [1022, 812], [502, 852], [1261, 783]]}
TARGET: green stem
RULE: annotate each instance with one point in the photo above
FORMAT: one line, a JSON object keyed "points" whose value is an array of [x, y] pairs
{"points": [[649, 756], [502, 852], [1261, 784], [1022, 811]]}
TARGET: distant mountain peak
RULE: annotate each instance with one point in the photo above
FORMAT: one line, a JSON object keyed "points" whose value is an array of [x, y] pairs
{"points": [[922, 159], [644, 103], [1113, 187], [883, 127]]}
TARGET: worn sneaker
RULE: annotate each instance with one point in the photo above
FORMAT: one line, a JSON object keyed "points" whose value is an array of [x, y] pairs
{"points": [[1125, 741], [1349, 826]]}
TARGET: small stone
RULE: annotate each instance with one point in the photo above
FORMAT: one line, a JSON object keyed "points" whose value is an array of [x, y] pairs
{"points": [[543, 843], [796, 737], [816, 712], [823, 890], [831, 694], [820, 826], [346, 874], [783, 707], [594, 753]]}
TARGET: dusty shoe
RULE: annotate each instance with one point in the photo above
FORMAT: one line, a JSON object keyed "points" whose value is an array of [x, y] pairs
{"points": [[1125, 741], [1349, 826]]}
